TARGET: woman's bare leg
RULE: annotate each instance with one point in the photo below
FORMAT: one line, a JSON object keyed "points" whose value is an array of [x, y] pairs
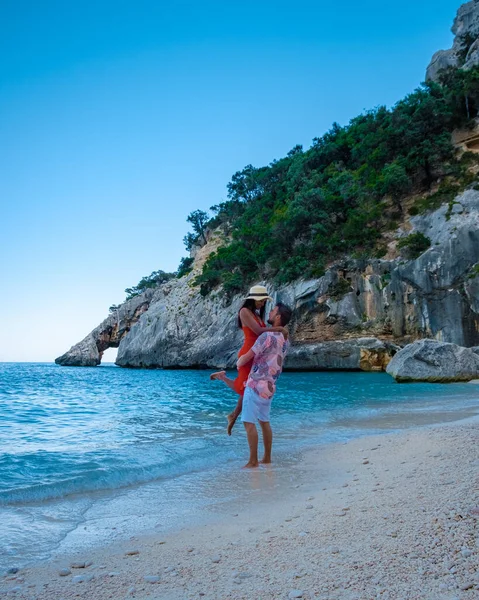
{"points": [[234, 415], [221, 376]]}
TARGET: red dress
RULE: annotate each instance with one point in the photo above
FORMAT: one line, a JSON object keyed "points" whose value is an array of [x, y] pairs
{"points": [[250, 338]]}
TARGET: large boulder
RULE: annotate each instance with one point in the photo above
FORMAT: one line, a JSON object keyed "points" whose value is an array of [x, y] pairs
{"points": [[434, 362]]}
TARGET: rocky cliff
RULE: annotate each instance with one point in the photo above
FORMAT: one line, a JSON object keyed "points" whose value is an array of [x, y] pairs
{"points": [[108, 334], [354, 317], [465, 49]]}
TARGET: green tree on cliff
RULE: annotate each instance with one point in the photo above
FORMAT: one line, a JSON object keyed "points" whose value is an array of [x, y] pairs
{"points": [[199, 220], [151, 281]]}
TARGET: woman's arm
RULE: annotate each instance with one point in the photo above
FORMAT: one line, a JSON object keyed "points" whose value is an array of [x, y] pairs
{"points": [[248, 320], [245, 359]]}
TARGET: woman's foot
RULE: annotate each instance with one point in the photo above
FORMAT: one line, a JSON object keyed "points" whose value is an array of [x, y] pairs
{"points": [[218, 375], [251, 465]]}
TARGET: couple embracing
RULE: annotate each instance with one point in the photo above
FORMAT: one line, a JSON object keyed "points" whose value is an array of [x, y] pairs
{"points": [[260, 362]]}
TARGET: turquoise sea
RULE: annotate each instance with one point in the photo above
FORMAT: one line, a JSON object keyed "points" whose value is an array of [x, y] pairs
{"points": [[105, 441]]}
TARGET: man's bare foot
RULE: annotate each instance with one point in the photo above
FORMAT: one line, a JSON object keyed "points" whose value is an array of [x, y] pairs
{"points": [[265, 461], [231, 422], [251, 465], [218, 375]]}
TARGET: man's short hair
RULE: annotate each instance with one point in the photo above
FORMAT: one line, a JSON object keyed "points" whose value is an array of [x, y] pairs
{"points": [[285, 313]]}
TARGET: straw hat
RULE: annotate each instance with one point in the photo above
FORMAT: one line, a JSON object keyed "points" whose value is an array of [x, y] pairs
{"points": [[258, 292]]}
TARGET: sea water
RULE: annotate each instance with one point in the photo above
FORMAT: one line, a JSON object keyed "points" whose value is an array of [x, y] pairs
{"points": [[102, 444]]}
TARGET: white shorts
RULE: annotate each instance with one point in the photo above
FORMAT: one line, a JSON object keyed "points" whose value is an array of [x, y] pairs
{"points": [[255, 408]]}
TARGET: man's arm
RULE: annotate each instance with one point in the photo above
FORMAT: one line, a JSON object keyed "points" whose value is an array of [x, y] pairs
{"points": [[248, 320], [258, 348], [243, 360]]}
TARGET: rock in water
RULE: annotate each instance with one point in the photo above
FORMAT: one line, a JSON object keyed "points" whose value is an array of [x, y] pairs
{"points": [[432, 361]]}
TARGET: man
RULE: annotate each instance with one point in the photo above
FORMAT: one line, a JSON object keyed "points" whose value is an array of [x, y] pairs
{"points": [[268, 355]]}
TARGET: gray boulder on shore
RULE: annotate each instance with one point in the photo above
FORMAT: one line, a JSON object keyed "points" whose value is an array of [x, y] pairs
{"points": [[434, 362]]}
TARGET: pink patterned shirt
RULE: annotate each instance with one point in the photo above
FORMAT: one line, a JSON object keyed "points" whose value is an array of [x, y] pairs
{"points": [[269, 349]]}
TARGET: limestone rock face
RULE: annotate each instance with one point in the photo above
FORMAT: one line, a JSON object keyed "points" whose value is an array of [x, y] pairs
{"points": [[353, 317], [465, 49], [432, 361], [182, 329], [108, 334], [83, 354], [394, 302], [362, 354]]}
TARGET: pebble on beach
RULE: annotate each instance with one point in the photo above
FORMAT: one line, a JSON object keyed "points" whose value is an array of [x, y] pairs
{"points": [[467, 586], [78, 579], [17, 588]]}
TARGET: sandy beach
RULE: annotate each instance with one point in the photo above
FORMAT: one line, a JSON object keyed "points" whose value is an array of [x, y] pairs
{"points": [[393, 516]]}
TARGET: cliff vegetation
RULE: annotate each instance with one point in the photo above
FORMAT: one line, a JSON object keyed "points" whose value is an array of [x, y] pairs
{"points": [[291, 218]]}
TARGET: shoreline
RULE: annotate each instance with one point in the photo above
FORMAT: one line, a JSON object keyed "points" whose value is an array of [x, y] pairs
{"points": [[393, 515]]}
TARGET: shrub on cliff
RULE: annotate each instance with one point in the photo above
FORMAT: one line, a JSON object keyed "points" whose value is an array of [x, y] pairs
{"points": [[151, 281], [414, 245], [186, 264]]}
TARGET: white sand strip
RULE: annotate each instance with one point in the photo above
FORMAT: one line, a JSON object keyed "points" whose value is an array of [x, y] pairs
{"points": [[390, 517]]}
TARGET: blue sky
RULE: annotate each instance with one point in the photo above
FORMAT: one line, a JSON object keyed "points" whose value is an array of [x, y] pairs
{"points": [[120, 118]]}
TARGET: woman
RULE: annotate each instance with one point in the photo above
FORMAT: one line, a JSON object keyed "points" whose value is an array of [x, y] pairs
{"points": [[251, 321]]}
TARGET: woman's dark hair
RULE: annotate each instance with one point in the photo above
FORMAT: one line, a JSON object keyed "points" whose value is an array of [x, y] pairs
{"points": [[250, 304]]}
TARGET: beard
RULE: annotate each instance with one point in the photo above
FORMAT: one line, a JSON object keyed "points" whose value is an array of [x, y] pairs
{"points": [[270, 322]]}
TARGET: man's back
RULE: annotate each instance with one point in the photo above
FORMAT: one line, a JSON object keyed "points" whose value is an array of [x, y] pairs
{"points": [[269, 350]]}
